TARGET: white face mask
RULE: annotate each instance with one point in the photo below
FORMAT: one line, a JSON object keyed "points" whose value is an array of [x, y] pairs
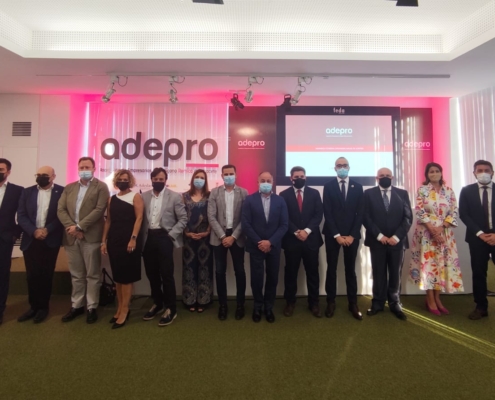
{"points": [[484, 178]]}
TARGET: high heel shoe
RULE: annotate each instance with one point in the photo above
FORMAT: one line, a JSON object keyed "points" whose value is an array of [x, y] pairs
{"points": [[435, 312], [443, 310], [117, 326], [113, 320]]}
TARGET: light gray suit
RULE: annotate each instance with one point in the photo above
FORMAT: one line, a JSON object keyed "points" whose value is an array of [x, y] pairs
{"points": [[173, 219], [217, 216]]}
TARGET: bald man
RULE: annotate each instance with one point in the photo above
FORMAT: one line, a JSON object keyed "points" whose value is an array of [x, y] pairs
{"points": [[37, 216], [387, 219]]}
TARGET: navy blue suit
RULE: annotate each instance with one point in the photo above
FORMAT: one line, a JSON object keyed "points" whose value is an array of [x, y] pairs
{"points": [[295, 250], [257, 228], [344, 218], [40, 256], [386, 259], [9, 230], [472, 214]]}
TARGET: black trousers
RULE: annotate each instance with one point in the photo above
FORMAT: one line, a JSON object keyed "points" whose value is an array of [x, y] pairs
{"points": [[6, 248], [386, 260], [257, 263], [158, 256], [40, 263], [237, 253], [293, 257], [480, 255], [350, 253]]}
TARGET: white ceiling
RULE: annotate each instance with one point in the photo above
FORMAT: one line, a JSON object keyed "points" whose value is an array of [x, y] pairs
{"points": [[71, 46]]}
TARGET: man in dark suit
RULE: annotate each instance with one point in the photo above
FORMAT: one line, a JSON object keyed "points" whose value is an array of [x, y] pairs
{"points": [[343, 210], [41, 240], [477, 211], [224, 216], [264, 221], [303, 240], [9, 230], [387, 219]]}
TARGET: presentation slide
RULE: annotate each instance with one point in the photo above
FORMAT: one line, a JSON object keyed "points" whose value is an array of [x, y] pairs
{"points": [[316, 141]]}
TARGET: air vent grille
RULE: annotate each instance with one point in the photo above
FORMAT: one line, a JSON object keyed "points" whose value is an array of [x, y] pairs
{"points": [[21, 128]]}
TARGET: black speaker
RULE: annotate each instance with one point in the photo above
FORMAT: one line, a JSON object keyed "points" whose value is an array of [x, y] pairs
{"points": [[208, 1]]}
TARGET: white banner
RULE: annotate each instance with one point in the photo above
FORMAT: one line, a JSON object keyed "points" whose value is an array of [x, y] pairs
{"points": [[140, 137]]}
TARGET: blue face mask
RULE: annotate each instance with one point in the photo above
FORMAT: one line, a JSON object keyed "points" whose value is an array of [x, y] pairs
{"points": [[265, 187], [229, 180], [85, 175], [199, 183], [342, 173]]}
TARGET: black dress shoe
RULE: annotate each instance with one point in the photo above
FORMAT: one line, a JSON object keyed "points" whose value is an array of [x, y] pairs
{"points": [[270, 317], [239, 312], [289, 309], [315, 310], [40, 316], [27, 315], [400, 314], [330, 310], [73, 313], [478, 314], [353, 308], [373, 311], [92, 316], [222, 312], [256, 316]]}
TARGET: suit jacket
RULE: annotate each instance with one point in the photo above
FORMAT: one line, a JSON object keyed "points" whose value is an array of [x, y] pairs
{"points": [[396, 221], [173, 215], [8, 227], [28, 211], [91, 212], [310, 217], [257, 228], [344, 218], [217, 216], [471, 211]]}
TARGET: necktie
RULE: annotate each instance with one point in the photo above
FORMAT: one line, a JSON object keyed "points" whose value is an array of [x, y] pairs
{"points": [[386, 202], [342, 189], [485, 206], [299, 199]]}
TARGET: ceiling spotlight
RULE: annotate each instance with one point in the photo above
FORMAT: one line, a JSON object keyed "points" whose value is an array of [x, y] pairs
{"points": [[173, 91], [300, 89], [110, 90], [407, 3], [252, 80], [208, 1], [236, 102]]}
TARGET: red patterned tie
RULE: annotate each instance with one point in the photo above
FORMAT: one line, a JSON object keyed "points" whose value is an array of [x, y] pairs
{"points": [[299, 199]]}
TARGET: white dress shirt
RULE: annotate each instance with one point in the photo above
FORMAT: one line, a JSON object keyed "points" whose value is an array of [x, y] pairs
{"points": [[44, 197], [388, 193], [308, 231], [3, 188], [229, 207], [489, 190], [266, 204], [154, 215]]}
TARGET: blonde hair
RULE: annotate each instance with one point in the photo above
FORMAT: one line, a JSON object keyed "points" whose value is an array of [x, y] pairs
{"points": [[117, 174]]}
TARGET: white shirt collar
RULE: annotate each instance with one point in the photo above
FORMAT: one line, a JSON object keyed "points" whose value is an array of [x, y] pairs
{"points": [[45, 190], [489, 185], [91, 180], [159, 195], [4, 184], [346, 180], [387, 189], [302, 189]]}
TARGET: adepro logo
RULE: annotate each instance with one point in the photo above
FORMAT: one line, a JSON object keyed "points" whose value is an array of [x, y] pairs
{"points": [[338, 131], [418, 145], [251, 144]]}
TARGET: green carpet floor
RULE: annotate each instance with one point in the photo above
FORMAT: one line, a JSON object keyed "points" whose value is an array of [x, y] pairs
{"points": [[199, 357]]}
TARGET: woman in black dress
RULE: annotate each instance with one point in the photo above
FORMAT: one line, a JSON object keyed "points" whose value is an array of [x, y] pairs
{"points": [[121, 241]]}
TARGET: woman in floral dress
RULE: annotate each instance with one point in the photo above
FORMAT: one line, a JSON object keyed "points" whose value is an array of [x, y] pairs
{"points": [[435, 261]]}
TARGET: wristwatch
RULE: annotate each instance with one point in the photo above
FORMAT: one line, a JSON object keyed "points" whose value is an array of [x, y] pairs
{"points": [[134, 237]]}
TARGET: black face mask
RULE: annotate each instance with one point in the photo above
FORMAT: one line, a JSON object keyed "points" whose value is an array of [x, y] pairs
{"points": [[385, 182], [123, 186], [299, 183], [158, 186], [2, 176], [43, 181]]}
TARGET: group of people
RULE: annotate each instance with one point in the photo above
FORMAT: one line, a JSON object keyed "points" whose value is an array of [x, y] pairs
{"points": [[209, 224]]}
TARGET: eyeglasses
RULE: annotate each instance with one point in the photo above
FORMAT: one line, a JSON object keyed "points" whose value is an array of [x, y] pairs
{"points": [[41, 176], [342, 165]]}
